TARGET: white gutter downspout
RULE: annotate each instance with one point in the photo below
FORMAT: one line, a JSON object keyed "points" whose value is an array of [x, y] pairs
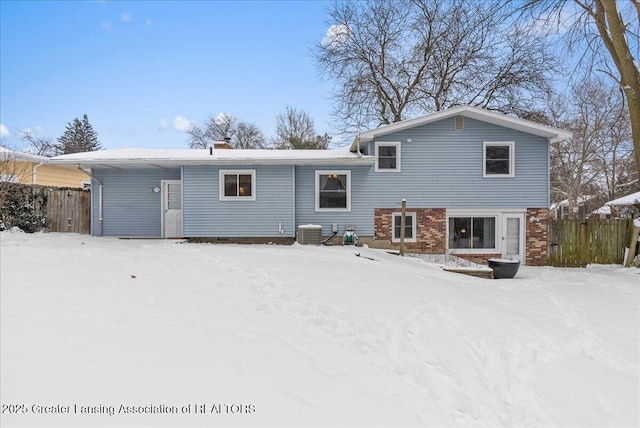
{"points": [[358, 147], [90, 174], [35, 172]]}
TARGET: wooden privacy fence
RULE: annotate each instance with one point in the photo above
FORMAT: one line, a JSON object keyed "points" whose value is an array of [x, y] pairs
{"points": [[574, 243], [69, 210]]}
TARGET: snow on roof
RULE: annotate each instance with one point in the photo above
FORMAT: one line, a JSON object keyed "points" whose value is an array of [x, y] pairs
{"points": [[632, 199], [553, 134], [6, 153], [204, 156]]}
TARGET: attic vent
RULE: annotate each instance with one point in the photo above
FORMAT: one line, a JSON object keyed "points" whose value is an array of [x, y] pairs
{"points": [[459, 123]]}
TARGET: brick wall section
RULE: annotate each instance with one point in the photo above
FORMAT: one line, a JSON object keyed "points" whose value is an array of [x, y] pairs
{"points": [[536, 236], [432, 234], [431, 229]]}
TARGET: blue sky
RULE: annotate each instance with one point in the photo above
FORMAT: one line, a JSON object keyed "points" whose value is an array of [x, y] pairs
{"points": [[139, 69]]}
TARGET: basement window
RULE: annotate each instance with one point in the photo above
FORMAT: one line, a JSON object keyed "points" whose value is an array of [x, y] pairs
{"points": [[409, 227]]}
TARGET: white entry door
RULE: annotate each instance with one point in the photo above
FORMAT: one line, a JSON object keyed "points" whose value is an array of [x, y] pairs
{"points": [[513, 236], [171, 209]]}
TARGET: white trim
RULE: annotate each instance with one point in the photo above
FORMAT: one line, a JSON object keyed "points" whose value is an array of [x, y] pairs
{"points": [[395, 144], [413, 226], [500, 214], [512, 158], [237, 172], [317, 190], [552, 134], [474, 214], [163, 202]]}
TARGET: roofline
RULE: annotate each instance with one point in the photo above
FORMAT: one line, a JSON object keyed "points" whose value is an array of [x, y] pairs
{"points": [[175, 162], [27, 157], [552, 134]]}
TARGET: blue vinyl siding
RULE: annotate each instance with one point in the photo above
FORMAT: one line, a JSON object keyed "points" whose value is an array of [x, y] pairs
{"points": [[204, 215], [442, 168], [362, 211], [130, 208]]}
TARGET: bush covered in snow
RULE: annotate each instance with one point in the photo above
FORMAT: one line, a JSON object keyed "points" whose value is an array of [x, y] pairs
{"points": [[23, 206]]}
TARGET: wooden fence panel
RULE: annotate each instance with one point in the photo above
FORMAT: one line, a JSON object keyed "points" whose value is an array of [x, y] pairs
{"points": [[69, 211], [575, 243]]}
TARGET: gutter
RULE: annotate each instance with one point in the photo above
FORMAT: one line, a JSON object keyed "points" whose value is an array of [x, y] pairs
{"points": [[90, 174]]}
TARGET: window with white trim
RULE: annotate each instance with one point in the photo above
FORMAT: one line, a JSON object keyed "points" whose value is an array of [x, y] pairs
{"points": [[472, 232], [333, 190], [409, 227], [387, 157], [238, 185], [498, 159]]}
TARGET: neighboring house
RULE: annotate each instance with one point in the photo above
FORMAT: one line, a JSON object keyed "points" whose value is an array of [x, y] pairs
{"points": [[585, 205], [476, 184], [26, 168], [627, 206]]}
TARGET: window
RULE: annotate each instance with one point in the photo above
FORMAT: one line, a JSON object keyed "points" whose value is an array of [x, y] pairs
{"points": [[409, 227], [472, 232], [333, 190], [387, 157], [238, 185], [498, 159]]}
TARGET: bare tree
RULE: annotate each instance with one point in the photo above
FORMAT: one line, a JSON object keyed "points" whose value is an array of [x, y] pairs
{"points": [[609, 31], [248, 136], [226, 127], [394, 59], [596, 160], [295, 129], [41, 146]]}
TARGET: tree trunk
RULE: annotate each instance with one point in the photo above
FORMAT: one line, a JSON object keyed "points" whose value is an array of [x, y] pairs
{"points": [[612, 30]]}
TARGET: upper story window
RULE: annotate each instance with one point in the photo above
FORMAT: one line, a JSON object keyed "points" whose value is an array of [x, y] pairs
{"points": [[498, 159], [238, 185], [387, 157], [333, 190], [409, 227]]}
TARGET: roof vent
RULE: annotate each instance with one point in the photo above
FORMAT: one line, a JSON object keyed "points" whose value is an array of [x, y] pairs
{"points": [[459, 123]]}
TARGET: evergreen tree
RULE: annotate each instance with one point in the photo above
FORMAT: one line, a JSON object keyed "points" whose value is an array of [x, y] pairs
{"points": [[78, 137]]}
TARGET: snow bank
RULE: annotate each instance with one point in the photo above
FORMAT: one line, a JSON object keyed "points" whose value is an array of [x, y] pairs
{"points": [[302, 335]]}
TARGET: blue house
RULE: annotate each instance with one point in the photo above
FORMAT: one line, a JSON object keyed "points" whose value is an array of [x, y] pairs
{"points": [[476, 184]]}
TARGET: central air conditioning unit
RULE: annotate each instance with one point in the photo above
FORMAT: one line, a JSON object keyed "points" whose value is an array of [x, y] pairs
{"points": [[310, 234]]}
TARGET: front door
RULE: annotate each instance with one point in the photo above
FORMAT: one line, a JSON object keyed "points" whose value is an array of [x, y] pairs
{"points": [[171, 209], [513, 236]]}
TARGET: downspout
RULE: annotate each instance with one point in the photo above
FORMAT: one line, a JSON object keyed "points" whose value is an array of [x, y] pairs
{"points": [[101, 185], [358, 146], [293, 194], [35, 172]]}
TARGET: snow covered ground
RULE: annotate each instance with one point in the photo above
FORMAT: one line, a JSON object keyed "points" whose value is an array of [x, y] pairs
{"points": [[109, 332]]}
